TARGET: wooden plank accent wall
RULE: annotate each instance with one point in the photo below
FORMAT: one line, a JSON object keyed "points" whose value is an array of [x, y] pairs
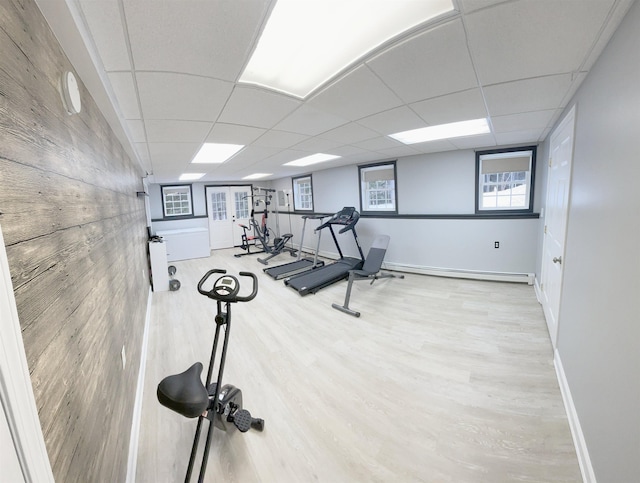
{"points": [[75, 235]]}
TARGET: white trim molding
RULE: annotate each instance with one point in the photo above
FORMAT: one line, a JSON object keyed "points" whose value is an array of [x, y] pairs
{"points": [[527, 278], [16, 392], [137, 409], [588, 476]]}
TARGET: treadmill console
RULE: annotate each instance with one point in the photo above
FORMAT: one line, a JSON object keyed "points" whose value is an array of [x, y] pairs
{"points": [[344, 216]]}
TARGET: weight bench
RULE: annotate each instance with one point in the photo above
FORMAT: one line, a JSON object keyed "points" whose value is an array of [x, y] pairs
{"points": [[370, 270]]}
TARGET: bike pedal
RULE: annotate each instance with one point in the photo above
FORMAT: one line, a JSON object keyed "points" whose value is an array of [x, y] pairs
{"points": [[242, 420]]}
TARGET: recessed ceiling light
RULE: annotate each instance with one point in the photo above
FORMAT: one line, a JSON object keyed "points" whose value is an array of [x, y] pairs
{"points": [[257, 175], [313, 159], [304, 44], [443, 131], [191, 176], [211, 153]]}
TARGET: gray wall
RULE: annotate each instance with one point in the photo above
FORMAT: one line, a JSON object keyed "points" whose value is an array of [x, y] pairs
{"points": [[75, 239], [433, 184], [599, 322]]}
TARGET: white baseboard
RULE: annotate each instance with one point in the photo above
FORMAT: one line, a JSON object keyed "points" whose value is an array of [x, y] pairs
{"points": [[588, 476], [536, 286], [137, 408]]}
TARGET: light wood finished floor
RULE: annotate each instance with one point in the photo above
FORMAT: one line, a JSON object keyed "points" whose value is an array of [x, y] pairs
{"points": [[439, 380]]}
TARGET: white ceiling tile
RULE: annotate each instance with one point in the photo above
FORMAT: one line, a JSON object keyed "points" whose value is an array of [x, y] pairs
{"points": [[349, 133], [248, 156], [256, 107], [420, 68], [180, 96], [279, 139], [125, 92], [527, 95], [165, 153], [605, 35], [468, 6], [523, 121], [393, 121], [461, 106], [530, 38], [401, 151], [171, 131], [136, 129], [348, 151], [376, 144], [433, 146], [472, 142], [234, 134], [317, 145], [105, 25], [309, 121], [142, 150], [359, 94], [519, 137], [196, 37]]}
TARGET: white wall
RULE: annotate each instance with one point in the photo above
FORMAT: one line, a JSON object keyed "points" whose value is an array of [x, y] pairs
{"points": [[599, 319]]}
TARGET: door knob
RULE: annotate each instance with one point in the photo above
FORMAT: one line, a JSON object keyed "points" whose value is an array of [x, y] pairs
{"points": [[557, 260]]}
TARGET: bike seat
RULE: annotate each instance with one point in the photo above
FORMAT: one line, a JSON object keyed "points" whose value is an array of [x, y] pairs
{"points": [[184, 393]]}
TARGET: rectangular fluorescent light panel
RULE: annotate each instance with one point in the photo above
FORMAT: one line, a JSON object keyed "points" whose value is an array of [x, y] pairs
{"points": [[257, 175], [443, 131], [191, 176], [305, 44], [215, 153], [313, 159]]}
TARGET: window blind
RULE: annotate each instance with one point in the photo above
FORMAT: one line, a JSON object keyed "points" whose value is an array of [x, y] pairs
{"points": [[385, 174], [506, 165]]}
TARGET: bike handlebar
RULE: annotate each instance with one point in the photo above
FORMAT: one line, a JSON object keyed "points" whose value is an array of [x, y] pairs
{"points": [[232, 298]]}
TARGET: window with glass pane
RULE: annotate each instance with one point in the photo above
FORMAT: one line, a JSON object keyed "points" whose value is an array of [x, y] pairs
{"points": [[505, 180], [378, 188], [176, 200], [218, 206], [302, 193], [242, 204]]}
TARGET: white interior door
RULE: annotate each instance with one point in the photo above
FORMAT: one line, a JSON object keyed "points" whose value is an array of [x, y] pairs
{"points": [[241, 196], [558, 188], [219, 207]]}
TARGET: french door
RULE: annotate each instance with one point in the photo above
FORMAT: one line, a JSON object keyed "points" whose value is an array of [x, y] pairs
{"points": [[227, 208]]}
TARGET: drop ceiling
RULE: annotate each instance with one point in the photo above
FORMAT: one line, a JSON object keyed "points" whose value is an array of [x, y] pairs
{"points": [[165, 73]]}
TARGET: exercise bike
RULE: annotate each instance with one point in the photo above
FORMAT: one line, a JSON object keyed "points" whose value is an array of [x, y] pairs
{"points": [[221, 404]]}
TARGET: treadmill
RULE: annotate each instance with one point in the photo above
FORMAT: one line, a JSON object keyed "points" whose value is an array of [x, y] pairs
{"points": [[301, 264], [314, 280]]}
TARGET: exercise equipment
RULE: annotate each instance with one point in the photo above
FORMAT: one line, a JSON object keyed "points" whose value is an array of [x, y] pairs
{"points": [[301, 264], [314, 280], [246, 242], [174, 284], [185, 394], [370, 271]]}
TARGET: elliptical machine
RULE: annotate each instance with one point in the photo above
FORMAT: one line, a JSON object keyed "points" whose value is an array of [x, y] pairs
{"points": [[185, 394]]}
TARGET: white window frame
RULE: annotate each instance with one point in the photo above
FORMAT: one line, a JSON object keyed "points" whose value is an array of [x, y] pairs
{"points": [[387, 183], [173, 207], [510, 174], [302, 200]]}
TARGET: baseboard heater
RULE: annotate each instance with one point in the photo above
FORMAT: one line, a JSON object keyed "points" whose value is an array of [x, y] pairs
{"points": [[527, 278]]}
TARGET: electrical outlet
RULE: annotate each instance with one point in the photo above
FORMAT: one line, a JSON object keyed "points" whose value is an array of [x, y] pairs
{"points": [[124, 358], [496, 244]]}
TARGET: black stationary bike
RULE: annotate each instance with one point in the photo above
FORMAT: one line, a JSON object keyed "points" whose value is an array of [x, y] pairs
{"points": [[221, 404]]}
